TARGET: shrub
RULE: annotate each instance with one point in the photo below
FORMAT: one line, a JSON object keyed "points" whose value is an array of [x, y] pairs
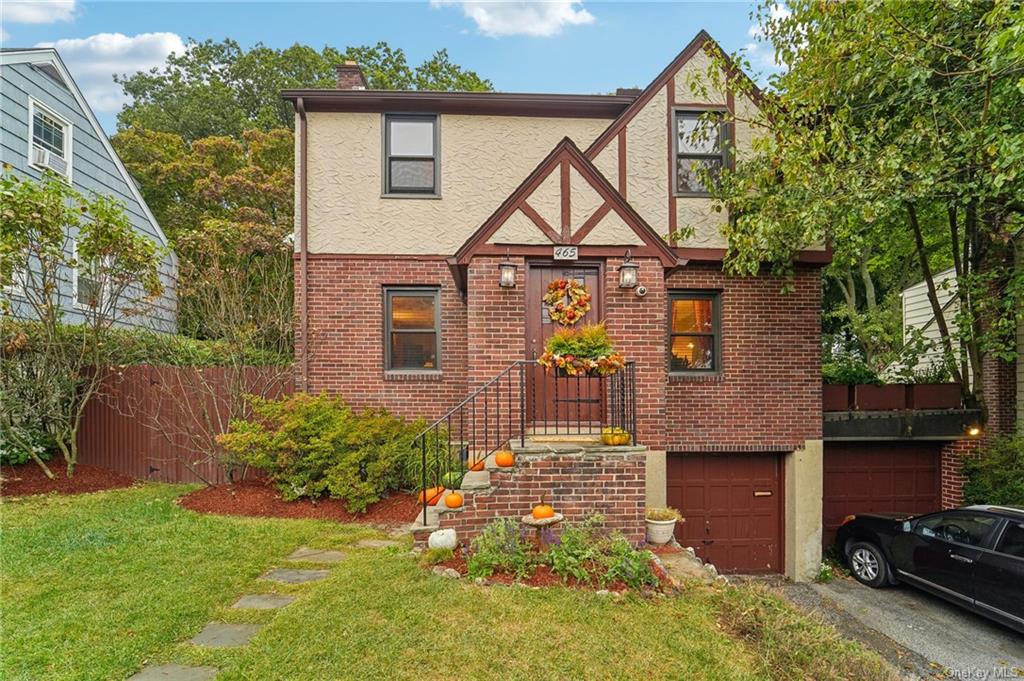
{"points": [[996, 475], [13, 455], [314, 445], [848, 370], [625, 563], [436, 556], [587, 551], [500, 546]]}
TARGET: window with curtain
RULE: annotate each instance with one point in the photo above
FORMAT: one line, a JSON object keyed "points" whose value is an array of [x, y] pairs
{"points": [[410, 154], [694, 332], [412, 319]]}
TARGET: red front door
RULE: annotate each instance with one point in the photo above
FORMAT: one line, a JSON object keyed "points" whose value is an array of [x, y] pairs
{"points": [[551, 400]]}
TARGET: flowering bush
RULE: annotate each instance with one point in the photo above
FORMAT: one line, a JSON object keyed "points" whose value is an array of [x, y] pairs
{"points": [[581, 352]]}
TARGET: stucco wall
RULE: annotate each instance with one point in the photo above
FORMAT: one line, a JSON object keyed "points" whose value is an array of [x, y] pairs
{"points": [[483, 158]]}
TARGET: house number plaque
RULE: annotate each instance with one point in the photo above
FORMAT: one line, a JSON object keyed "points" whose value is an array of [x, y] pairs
{"points": [[566, 252]]}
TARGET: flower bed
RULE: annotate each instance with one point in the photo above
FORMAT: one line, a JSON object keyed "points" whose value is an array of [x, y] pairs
{"points": [[28, 478], [585, 556]]}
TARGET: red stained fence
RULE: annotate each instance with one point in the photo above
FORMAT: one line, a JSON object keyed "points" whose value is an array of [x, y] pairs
{"points": [[151, 422]]}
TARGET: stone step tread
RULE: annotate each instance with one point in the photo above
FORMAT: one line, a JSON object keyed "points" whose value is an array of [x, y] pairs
{"points": [[224, 635], [174, 672], [476, 480]]}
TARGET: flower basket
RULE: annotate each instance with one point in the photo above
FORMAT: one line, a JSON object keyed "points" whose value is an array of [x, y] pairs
{"points": [[581, 352]]}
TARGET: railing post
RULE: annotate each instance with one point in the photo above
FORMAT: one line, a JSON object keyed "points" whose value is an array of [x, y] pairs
{"points": [[522, 405], [423, 475]]}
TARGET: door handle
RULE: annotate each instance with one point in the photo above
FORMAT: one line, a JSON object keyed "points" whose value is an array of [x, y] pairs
{"points": [[962, 559]]}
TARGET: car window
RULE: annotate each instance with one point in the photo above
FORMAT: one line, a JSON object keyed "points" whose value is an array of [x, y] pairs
{"points": [[962, 528], [1012, 543]]}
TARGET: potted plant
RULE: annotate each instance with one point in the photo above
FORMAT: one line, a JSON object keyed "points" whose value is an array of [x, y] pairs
{"points": [[586, 351], [615, 437], [661, 524]]}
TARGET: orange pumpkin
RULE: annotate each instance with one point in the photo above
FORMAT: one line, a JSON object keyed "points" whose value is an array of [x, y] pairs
{"points": [[505, 459], [430, 496], [542, 510], [477, 466], [453, 500]]}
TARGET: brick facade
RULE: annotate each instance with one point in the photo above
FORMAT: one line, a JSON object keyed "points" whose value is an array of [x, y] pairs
{"points": [[767, 396], [577, 485], [951, 466], [346, 321]]}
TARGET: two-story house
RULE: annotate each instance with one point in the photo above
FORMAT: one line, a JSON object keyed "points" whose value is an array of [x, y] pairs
{"points": [[46, 124], [429, 226]]}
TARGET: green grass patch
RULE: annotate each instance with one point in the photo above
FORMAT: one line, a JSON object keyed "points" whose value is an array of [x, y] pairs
{"points": [[95, 586]]}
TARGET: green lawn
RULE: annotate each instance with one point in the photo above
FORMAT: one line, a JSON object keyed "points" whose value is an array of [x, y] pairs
{"points": [[95, 586]]}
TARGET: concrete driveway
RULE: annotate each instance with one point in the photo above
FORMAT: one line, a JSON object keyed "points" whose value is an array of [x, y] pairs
{"points": [[920, 634]]}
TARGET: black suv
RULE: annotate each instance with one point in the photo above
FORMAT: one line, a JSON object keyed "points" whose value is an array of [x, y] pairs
{"points": [[972, 556]]}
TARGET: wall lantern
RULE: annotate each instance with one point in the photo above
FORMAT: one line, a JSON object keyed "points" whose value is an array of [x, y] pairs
{"points": [[973, 429], [628, 272], [507, 273]]}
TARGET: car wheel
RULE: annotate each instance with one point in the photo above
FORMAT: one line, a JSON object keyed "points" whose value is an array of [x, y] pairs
{"points": [[868, 564]]}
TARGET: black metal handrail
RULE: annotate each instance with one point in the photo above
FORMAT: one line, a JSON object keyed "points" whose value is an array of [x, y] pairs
{"points": [[523, 395]]}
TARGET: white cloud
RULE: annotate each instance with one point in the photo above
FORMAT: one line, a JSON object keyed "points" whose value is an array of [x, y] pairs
{"points": [[497, 18], [93, 61], [760, 51], [36, 11]]}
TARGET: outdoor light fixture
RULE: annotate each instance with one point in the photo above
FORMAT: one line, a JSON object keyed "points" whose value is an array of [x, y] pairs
{"points": [[628, 272], [973, 429], [507, 273]]}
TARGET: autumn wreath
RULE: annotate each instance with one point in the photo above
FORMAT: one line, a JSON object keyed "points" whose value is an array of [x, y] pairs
{"points": [[568, 301]]}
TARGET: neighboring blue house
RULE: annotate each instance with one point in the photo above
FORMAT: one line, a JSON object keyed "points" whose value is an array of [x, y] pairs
{"points": [[45, 122]]}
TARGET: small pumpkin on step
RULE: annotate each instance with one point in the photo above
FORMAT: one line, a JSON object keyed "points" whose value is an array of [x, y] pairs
{"points": [[542, 510], [505, 459], [431, 495], [453, 500], [477, 465]]}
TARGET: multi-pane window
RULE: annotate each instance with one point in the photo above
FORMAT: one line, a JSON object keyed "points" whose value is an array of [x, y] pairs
{"points": [[700, 143], [412, 318], [410, 154], [694, 333], [48, 132]]}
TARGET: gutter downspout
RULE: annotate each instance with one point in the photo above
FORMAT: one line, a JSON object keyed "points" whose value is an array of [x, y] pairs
{"points": [[303, 245]]}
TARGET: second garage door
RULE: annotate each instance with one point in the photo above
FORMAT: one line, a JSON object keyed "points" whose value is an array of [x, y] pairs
{"points": [[871, 477], [732, 506]]}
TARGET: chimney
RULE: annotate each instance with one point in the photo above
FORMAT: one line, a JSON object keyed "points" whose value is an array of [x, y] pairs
{"points": [[628, 91], [350, 76]]}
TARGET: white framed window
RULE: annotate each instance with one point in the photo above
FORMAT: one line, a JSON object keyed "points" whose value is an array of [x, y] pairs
{"points": [[18, 280], [50, 137], [85, 284]]}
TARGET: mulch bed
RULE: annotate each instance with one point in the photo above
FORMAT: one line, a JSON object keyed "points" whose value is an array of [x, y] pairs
{"points": [[28, 478], [260, 498]]}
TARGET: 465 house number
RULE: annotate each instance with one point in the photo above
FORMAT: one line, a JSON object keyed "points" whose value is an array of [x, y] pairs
{"points": [[566, 252]]}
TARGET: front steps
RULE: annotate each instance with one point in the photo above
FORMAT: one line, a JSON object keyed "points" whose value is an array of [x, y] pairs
{"points": [[577, 473]]}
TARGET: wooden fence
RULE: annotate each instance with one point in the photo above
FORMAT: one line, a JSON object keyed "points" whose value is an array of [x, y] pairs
{"points": [[152, 422]]}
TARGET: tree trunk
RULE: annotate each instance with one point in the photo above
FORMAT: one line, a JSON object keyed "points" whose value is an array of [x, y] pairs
{"points": [[42, 465], [933, 298]]}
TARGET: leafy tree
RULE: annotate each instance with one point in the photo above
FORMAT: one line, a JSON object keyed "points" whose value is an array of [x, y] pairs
{"points": [[227, 206], [49, 371], [897, 130], [221, 89]]}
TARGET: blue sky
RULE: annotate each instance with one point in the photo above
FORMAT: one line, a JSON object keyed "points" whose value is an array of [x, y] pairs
{"points": [[555, 46]]}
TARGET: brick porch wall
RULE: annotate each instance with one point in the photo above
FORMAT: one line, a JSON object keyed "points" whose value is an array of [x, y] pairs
{"points": [[346, 320], [768, 395], [577, 485]]}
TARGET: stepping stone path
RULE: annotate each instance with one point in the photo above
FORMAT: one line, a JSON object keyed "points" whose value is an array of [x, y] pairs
{"points": [[293, 576], [308, 555], [220, 635], [263, 601], [376, 543], [223, 635], [174, 672]]}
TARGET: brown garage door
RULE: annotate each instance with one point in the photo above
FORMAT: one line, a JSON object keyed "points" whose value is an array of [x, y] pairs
{"points": [[732, 504], [866, 477]]}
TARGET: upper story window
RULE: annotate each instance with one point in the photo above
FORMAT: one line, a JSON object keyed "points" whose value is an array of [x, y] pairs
{"points": [[700, 143], [88, 288], [412, 321], [694, 331], [410, 154], [51, 140]]}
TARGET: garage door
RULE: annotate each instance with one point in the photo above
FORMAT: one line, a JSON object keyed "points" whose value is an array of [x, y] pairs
{"points": [[732, 505], [865, 477]]}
